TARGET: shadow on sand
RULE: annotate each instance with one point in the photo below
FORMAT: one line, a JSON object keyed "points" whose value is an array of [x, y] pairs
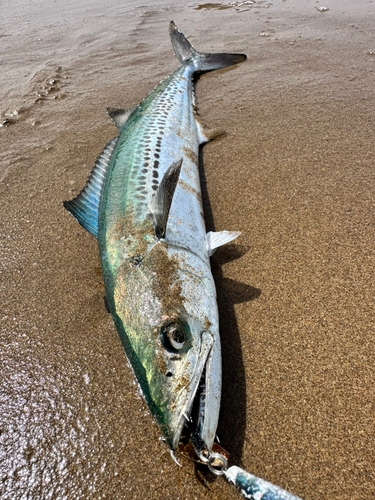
{"points": [[232, 422]]}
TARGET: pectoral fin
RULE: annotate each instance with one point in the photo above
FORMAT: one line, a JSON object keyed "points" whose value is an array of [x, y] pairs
{"points": [[162, 200], [215, 240]]}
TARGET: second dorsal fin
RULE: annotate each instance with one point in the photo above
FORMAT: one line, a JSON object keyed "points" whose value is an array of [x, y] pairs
{"points": [[162, 200]]}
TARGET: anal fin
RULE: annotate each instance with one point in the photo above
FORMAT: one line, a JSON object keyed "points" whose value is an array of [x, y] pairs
{"points": [[215, 240]]}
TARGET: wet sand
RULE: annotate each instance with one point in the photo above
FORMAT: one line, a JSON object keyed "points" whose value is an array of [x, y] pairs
{"points": [[294, 173]]}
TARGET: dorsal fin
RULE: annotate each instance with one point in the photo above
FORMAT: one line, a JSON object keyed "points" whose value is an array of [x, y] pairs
{"points": [[162, 200], [85, 207], [120, 116], [215, 240]]}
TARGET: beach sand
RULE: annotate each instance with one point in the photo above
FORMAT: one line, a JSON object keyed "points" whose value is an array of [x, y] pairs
{"points": [[294, 173]]}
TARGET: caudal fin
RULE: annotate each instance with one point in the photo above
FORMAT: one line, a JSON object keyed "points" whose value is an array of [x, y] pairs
{"points": [[203, 62]]}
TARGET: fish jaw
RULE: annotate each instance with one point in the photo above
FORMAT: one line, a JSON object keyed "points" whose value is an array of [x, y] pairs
{"points": [[186, 400], [209, 408]]}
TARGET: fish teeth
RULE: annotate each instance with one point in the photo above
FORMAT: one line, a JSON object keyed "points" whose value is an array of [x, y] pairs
{"points": [[174, 458]]}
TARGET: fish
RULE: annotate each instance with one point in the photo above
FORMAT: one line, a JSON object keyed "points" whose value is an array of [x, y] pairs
{"points": [[143, 203]]}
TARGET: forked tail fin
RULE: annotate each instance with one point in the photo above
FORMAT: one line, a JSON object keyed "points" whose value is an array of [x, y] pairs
{"points": [[203, 62]]}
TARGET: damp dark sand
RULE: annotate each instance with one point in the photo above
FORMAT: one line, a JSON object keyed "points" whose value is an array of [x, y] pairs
{"points": [[295, 173]]}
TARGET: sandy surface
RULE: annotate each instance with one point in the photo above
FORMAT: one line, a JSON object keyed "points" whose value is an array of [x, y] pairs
{"points": [[295, 173]]}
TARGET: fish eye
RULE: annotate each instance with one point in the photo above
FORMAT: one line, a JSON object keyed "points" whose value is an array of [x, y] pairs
{"points": [[173, 336], [176, 337]]}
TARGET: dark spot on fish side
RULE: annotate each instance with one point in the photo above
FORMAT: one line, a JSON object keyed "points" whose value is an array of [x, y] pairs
{"points": [[155, 174], [154, 187], [156, 164]]}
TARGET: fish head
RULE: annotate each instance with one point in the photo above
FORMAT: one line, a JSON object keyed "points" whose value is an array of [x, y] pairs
{"points": [[164, 317]]}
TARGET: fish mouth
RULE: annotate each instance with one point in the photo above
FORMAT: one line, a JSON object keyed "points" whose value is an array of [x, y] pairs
{"points": [[191, 419]]}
